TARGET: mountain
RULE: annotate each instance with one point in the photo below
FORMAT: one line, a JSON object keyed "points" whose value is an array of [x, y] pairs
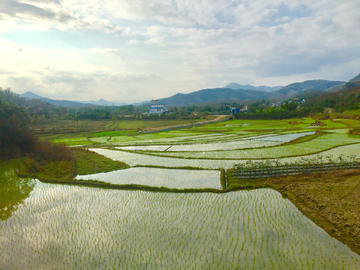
{"points": [[236, 86], [354, 82], [233, 92], [301, 87], [29, 94], [215, 94], [340, 100], [147, 102], [69, 103], [103, 102], [235, 95], [65, 103]]}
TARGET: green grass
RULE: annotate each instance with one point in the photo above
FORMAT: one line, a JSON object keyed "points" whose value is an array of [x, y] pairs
{"points": [[73, 141], [135, 124], [71, 129], [262, 124], [332, 124], [88, 162], [351, 113], [234, 127], [112, 133], [351, 122]]}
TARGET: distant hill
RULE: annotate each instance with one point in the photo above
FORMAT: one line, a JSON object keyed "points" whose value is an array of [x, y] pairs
{"points": [[29, 94], [103, 102], [215, 94], [65, 103], [33, 104], [343, 94], [338, 101], [354, 82], [236, 86], [234, 93], [69, 103], [301, 87], [143, 103]]}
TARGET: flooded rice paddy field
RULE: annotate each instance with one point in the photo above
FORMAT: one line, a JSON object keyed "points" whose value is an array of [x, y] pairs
{"points": [[170, 178], [67, 227], [231, 142], [49, 226], [134, 159], [222, 145], [250, 142], [319, 144]]}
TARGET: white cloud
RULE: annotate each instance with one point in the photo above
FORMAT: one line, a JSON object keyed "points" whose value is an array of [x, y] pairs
{"points": [[160, 47], [41, 15]]}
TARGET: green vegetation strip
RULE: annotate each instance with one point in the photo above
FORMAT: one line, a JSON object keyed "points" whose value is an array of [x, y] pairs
{"points": [[100, 184], [175, 168]]}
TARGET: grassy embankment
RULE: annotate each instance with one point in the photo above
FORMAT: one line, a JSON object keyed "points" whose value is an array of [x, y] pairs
{"points": [[75, 161], [331, 200]]}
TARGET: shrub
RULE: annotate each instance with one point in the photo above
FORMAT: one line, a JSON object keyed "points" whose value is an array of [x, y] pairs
{"points": [[355, 131]]}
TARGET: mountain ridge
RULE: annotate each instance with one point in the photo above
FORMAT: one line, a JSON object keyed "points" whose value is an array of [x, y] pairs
{"points": [[236, 86], [70, 103], [309, 85], [231, 95], [211, 95], [354, 82], [214, 94]]}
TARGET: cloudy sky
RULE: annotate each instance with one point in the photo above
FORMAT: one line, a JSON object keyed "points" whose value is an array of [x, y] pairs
{"points": [[135, 50]]}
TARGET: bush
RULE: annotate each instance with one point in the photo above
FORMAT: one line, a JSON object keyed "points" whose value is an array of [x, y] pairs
{"points": [[355, 131]]}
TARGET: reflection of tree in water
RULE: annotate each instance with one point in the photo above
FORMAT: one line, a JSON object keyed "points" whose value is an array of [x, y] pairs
{"points": [[13, 189]]}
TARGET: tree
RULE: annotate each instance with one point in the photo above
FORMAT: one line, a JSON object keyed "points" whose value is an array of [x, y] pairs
{"points": [[15, 135]]}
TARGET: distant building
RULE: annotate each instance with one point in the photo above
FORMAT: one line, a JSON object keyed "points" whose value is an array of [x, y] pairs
{"points": [[300, 100], [234, 110], [157, 108]]}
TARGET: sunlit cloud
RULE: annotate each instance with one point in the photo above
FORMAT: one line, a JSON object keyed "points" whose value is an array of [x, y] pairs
{"points": [[139, 50]]}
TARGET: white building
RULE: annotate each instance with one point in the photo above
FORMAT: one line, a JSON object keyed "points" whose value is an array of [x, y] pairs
{"points": [[156, 108]]}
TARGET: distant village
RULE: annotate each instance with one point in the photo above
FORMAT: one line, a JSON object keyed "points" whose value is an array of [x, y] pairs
{"points": [[157, 108]]}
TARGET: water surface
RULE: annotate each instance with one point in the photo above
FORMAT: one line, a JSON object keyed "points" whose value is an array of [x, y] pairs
{"points": [[67, 227], [13, 189], [171, 178]]}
